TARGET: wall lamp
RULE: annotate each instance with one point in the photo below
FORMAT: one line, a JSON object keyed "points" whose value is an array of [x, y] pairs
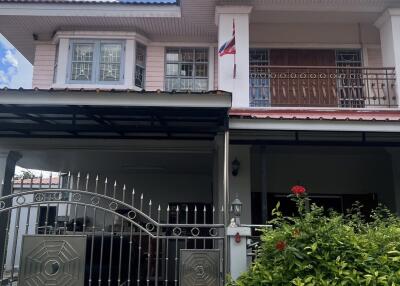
{"points": [[235, 167]]}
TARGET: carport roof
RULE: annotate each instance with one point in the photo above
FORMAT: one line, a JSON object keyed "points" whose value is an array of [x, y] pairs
{"points": [[112, 114]]}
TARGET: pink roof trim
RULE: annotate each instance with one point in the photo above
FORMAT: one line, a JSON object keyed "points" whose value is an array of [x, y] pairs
{"points": [[307, 114]]}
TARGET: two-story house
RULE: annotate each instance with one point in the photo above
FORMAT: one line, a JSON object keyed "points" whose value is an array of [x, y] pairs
{"points": [[135, 91]]}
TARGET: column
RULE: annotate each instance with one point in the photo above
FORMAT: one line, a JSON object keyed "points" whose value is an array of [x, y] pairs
{"points": [[238, 250], [239, 86], [389, 27], [8, 160]]}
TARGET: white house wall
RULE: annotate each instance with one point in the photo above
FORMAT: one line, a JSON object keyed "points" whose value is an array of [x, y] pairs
{"points": [[44, 65], [155, 68]]}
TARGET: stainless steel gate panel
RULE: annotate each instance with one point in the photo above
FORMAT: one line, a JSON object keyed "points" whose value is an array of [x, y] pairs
{"points": [[107, 236], [56, 260], [200, 267]]}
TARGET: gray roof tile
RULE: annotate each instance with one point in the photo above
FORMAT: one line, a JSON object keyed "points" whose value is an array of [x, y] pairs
{"points": [[131, 2]]}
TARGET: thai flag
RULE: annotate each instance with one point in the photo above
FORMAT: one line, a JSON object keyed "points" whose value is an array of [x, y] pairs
{"points": [[229, 47]]}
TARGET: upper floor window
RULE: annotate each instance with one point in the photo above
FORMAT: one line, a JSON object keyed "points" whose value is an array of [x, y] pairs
{"points": [[96, 62], [260, 94], [186, 69], [140, 68]]}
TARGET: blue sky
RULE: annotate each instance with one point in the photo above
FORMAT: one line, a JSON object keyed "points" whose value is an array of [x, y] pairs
{"points": [[15, 70]]}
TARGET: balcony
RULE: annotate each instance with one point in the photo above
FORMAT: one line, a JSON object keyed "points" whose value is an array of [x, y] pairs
{"points": [[322, 86]]}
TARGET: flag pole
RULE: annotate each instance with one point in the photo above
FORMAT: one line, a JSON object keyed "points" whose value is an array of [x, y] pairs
{"points": [[234, 55], [234, 65]]}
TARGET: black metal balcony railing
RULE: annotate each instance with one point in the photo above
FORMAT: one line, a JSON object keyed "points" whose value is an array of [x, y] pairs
{"points": [[343, 87]]}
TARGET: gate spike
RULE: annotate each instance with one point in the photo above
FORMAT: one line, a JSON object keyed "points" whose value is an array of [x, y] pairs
{"points": [[59, 179], [141, 201], [50, 180], [22, 184], [205, 208], [187, 208], [31, 183], [177, 214], [123, 193], [195, 208], [213, 214], [168, 213], [68, 179], [87, 182], [133, 197], [105, 186], [115, 188], [150, 204], [159, 207], [96, 183], [40, 180], [78, 179]]}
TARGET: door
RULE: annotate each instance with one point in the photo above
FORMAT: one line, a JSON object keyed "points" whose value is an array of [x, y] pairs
{"points": [[304, 82]]}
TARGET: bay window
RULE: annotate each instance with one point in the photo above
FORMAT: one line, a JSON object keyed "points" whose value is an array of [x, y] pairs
{"points": [[140, 65]]}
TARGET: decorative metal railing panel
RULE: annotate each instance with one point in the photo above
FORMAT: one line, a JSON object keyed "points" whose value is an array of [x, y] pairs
{"points": [[307, 86], [128, 241]]}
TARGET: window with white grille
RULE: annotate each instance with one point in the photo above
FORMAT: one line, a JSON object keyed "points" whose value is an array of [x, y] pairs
{"points": [[186, 69], [96, 62]]}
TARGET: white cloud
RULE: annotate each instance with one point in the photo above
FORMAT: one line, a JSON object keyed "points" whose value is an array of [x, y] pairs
{"points": [[10, 59], [15, 70], [3, 78]]}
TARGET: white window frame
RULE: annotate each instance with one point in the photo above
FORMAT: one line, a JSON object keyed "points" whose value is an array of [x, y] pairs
{"points": [[96, 62], [144, 67], [179, 62]]}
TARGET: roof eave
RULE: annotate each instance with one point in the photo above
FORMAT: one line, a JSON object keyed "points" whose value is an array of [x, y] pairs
{"points": [[214, 99], [89, 10]]}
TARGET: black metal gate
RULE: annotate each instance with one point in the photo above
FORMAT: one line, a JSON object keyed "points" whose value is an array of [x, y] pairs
{"points": [[95, 233]]}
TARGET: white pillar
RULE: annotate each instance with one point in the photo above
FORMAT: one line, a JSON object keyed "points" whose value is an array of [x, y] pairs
{"points": [[389, 26], [240, 185], [238, 250], [225, 15], [8, 160]]}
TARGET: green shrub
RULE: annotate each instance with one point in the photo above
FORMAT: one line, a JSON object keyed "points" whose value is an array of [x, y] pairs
{"points": [[318, 249]]}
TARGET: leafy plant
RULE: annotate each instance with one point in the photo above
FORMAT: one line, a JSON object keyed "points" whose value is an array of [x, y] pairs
{"points": [[313, 248]]}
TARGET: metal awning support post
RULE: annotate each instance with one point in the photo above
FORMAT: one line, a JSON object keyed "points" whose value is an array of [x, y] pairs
{"points": [[8, 160], [226, 198]]}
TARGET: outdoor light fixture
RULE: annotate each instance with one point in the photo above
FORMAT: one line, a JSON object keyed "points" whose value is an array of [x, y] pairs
{"points": [[235, 167], [236, 210]]}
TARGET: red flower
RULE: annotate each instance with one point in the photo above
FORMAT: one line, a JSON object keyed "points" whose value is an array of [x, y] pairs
{"points": [[298, 190], [280, 245]]}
